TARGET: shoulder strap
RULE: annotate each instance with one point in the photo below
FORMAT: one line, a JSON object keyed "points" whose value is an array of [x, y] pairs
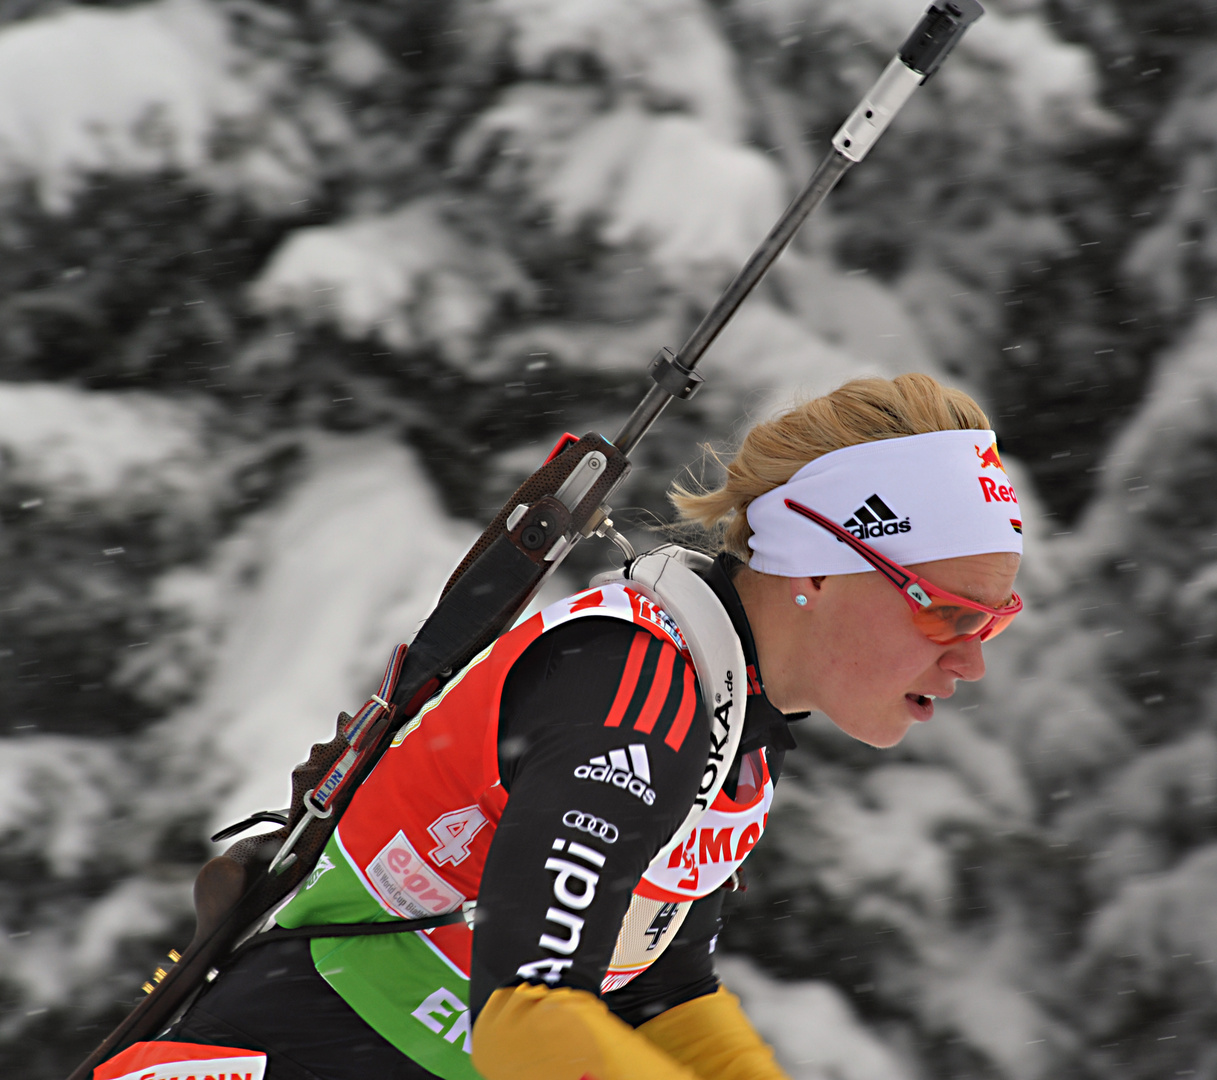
{"points": [[668, 576], [336, 930]]}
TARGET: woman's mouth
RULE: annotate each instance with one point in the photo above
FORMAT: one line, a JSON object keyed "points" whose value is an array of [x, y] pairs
{"points": [[921, 706]]}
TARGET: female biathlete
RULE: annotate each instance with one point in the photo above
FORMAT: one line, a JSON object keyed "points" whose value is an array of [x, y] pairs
{"points": [[594, 779]]}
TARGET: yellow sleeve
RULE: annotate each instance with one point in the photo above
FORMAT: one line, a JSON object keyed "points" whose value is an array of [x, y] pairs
{"points": [[712, 1036], [536, 1033]]}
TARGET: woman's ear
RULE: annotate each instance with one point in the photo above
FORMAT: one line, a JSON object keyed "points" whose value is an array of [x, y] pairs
{"points": [[804, 591]]}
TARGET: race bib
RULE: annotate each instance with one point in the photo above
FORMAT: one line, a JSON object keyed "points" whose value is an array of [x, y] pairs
{"points": [[182, 1061]]}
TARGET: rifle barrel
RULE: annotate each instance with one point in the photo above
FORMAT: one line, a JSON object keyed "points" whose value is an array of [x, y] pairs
{"points": [[822, 181], [919, 57]]}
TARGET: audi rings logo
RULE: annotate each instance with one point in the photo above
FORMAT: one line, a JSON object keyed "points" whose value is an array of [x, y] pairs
{"points": [[577, 819]]}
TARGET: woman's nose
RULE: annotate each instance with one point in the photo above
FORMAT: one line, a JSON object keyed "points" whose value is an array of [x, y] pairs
{"points": [[965, 659]]}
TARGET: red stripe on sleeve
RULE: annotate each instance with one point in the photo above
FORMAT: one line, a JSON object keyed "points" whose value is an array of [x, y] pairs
{"points": [[659, 691], [684, 716], [629, 679]]}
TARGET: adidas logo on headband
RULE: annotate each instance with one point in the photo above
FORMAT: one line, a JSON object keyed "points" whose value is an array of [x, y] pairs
{"points": [[875, 518], [934, 475]]}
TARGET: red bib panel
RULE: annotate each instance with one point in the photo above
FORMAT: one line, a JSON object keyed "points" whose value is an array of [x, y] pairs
{"points": [[180, 1061], [419, 829]]}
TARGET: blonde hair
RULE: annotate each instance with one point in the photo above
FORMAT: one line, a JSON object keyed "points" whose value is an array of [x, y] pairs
{"points": [[863, 410]]}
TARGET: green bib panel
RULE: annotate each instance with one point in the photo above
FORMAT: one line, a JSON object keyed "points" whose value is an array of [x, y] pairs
{"points": [[399, 984]]}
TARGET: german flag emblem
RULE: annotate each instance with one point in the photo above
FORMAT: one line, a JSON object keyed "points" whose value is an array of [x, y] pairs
{"points": [[1017, 526]]}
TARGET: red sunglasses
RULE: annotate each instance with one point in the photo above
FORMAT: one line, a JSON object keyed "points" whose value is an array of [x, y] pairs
{"points": [[943, 617]]}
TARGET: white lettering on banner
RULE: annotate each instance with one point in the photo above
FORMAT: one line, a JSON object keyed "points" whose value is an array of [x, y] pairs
{"points": [[441, 1006], [234, 1068], [461, 1027], [455, 831], [407, 885]]}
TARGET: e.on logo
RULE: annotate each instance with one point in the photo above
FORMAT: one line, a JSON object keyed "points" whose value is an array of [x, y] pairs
{"points": [[995, 492], [407, 885]]}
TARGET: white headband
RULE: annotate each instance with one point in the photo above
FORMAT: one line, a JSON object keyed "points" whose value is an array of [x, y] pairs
{"points": [[916, 499]]}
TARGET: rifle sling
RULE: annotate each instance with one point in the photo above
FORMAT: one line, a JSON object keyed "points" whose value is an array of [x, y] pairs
{"points": [[334, 930]]}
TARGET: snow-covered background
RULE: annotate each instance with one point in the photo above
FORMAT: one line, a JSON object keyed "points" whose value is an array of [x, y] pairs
{"points": [[292, 295]]}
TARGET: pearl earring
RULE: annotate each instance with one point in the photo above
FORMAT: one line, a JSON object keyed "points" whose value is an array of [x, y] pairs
{"points": [[800, 599]]}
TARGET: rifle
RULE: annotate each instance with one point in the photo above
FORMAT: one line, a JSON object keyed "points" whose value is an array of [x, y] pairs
{"points": [[563, 502]]}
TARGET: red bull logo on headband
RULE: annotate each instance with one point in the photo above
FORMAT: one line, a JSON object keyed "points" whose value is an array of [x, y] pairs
{"points": [[993, 491], [990, 458]]}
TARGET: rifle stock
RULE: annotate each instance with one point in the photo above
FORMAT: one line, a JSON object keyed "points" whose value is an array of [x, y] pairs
{"points": [[493, 584]]}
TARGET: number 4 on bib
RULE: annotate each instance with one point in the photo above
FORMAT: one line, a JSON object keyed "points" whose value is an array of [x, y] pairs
{"points": [[455, 831]]}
